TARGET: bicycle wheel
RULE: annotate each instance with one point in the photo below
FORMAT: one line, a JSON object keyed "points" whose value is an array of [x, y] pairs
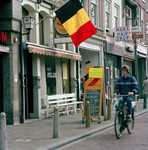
{"points": [[118, 125], [130, 126]]}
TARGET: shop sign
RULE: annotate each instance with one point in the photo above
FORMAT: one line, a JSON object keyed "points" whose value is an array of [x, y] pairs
{"points": [[123, 33], [3, 38]]}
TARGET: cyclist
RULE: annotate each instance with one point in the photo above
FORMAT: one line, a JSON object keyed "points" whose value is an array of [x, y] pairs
{"points": [[127, 85]]}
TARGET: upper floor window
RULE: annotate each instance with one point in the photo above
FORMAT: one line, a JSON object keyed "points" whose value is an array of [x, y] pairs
{"points": [[128, 13], [107, 14], [115, 16], [94, 12]]}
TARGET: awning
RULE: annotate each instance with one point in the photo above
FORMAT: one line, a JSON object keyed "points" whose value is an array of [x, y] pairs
{"points": [[129, 59], [4, 49], [48, 51]]}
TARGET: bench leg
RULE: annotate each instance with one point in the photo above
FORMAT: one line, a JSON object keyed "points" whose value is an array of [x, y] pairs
{"points": [[75, 108], [67, 110]]}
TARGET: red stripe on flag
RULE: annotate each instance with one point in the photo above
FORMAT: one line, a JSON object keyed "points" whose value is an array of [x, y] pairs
{"points": [[94, 81], [84, 32]]}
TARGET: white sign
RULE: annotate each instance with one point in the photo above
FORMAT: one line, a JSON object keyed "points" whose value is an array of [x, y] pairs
{"points": [[123, 33], [136, 29]]}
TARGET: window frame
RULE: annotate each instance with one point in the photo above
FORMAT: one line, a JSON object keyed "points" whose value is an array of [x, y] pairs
{"points": [[107, 16]]}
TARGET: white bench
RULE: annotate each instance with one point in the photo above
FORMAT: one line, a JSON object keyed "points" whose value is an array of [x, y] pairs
{"points": [[62, 100]]}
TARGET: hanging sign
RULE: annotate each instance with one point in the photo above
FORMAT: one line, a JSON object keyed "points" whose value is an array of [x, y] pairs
{"points": [[93, 91], [123, 33]]}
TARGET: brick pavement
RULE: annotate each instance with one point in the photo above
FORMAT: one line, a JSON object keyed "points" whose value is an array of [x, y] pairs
{"points": [[38, 134]]}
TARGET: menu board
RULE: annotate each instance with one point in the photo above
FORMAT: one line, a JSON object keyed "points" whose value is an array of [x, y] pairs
{"points": [[93, 96]]}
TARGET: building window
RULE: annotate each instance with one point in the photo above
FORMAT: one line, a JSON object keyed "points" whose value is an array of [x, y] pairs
{"points": [[128, 16], [143, 23], [107, 14], [115, 16], [94, 12]]}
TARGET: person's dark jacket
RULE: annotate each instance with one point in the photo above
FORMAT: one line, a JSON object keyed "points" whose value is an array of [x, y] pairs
{"points": [[125, 85]]}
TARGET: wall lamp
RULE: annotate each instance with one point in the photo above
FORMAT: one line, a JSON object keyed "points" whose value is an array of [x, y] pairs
{"points": [[28, 23]]}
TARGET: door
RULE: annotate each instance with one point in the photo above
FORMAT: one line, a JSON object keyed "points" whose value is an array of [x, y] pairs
{"points": [[28, 84]]}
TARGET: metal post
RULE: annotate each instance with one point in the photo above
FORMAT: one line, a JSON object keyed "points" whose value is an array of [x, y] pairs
{"points": [[88, 121], [136, 102], [109, 109], [56, 133], [3, 132], [144, 102], [136, 61], [22, 74]]}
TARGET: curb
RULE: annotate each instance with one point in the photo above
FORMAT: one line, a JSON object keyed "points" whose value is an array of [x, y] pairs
{"points": [[80, 136]]}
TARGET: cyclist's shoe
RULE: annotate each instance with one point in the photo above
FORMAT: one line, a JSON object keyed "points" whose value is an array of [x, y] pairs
{"points": [[121, 129], [129, 118]]}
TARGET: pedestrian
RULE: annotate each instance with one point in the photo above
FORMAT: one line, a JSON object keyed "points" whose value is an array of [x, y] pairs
{"points": [[82, 88], [126, 85], [145, 87]]}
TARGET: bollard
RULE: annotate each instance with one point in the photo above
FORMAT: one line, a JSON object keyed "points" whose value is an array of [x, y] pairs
{"points": [[3, 133], [56, 123], [144, 102], [109, 109], [88, 121]]}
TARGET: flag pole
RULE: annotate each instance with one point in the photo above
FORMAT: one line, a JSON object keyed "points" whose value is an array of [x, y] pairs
{"points": [[50, 13]]}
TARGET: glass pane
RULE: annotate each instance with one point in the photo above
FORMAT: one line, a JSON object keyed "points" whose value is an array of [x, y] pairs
{"points": [[115, 11], [65, 76], [107, 20], [107, 6], [93, 17], [50, 75], [94, 1]]}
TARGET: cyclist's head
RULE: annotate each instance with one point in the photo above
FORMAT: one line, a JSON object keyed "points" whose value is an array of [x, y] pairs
{"points": [[126, 68]]}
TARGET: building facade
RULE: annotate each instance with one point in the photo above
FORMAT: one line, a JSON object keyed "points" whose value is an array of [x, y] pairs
{"points": [[50, 64]]}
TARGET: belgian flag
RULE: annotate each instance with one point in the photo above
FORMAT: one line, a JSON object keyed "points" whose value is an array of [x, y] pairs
{"points": [[76, 21]]}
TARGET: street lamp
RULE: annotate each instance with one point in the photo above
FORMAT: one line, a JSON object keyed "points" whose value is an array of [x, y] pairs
{"points": [[29, 24]]}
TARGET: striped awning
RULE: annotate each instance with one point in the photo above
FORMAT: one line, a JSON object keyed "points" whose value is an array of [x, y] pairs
{"points": [[48, 51]]}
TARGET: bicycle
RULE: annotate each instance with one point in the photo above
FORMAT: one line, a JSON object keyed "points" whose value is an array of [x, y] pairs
{"points": [[121, 122]]}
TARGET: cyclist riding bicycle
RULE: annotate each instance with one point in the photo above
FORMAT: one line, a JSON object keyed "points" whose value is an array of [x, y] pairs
{"points": [[126, 85]]}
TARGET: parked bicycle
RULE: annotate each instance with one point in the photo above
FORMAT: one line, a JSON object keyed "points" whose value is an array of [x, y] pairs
{"points": [[121, 122]]}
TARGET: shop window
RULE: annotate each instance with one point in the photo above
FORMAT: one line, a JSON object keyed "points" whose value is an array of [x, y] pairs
{"points": [[50, 75], [65, 76]]}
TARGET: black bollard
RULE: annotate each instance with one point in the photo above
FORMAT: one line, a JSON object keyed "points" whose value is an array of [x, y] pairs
{"points": [[144, 102]]}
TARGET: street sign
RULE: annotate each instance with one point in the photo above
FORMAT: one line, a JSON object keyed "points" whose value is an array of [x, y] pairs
{"points": [[138, 36], [136, 29], [123, 33]]}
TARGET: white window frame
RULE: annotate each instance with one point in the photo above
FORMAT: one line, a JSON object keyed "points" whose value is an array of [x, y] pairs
{"points": [[96, 13], [116, 16], [107, 13], [128, 14]]}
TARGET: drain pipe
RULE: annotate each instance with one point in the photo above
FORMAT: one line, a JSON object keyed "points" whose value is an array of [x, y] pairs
{"points": [[22, 75]]}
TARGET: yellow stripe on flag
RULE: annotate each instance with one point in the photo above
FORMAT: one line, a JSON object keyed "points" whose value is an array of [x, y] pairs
{"points": [[75, 22]]}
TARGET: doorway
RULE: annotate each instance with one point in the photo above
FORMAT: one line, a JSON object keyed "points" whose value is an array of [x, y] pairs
{"points": [[28, 84], [1, 82]]}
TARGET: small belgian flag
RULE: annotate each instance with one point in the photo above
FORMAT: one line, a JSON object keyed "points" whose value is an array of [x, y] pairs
{"points": [[76, 21]]}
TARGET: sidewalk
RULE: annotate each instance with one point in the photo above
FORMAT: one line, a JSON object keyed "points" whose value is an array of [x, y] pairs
{"points": [[38, 134]]}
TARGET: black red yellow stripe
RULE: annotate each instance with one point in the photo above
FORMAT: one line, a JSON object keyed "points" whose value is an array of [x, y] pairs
{"points": [[76, 22]]}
